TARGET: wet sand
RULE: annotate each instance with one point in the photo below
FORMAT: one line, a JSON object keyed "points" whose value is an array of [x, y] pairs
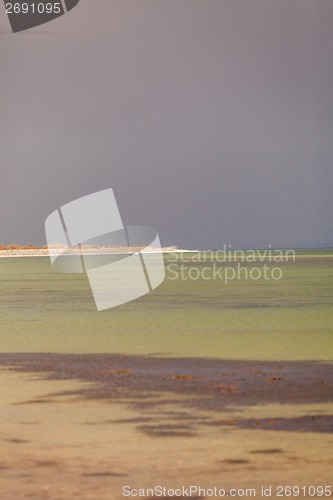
{"points": [[84, 426]]}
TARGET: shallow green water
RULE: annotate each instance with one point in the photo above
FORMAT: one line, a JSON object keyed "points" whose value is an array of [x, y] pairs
{"points": [[286, 319]]}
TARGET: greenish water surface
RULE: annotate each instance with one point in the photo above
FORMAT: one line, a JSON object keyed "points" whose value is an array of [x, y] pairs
{"points": [[290, 318]]}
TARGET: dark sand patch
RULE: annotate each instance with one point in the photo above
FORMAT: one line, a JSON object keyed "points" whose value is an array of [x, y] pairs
{"points": [[167, 430], [103, 474], [154, 384], [46, 463], [235, 461], [17, 440], [269, 451]]}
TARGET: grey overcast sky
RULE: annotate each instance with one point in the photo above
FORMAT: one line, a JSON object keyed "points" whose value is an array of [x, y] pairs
{"points": [[212, 120]]}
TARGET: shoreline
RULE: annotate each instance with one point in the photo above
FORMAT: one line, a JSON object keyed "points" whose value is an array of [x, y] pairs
{"points": [[5, 254], [57, 252], [86, 251]]}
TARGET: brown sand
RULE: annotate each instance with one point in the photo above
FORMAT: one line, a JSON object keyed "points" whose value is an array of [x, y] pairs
{"points": [[83, 426]]}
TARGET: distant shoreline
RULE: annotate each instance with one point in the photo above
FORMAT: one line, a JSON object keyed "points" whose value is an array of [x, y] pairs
{"points": [[22, 252], [45, 252]]}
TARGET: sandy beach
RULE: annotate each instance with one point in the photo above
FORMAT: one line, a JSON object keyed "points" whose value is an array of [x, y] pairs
{"points": [[85, 426], [196, 383]]}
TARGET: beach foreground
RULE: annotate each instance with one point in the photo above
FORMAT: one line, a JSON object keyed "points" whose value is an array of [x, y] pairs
{"points": [[85, 426]]}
